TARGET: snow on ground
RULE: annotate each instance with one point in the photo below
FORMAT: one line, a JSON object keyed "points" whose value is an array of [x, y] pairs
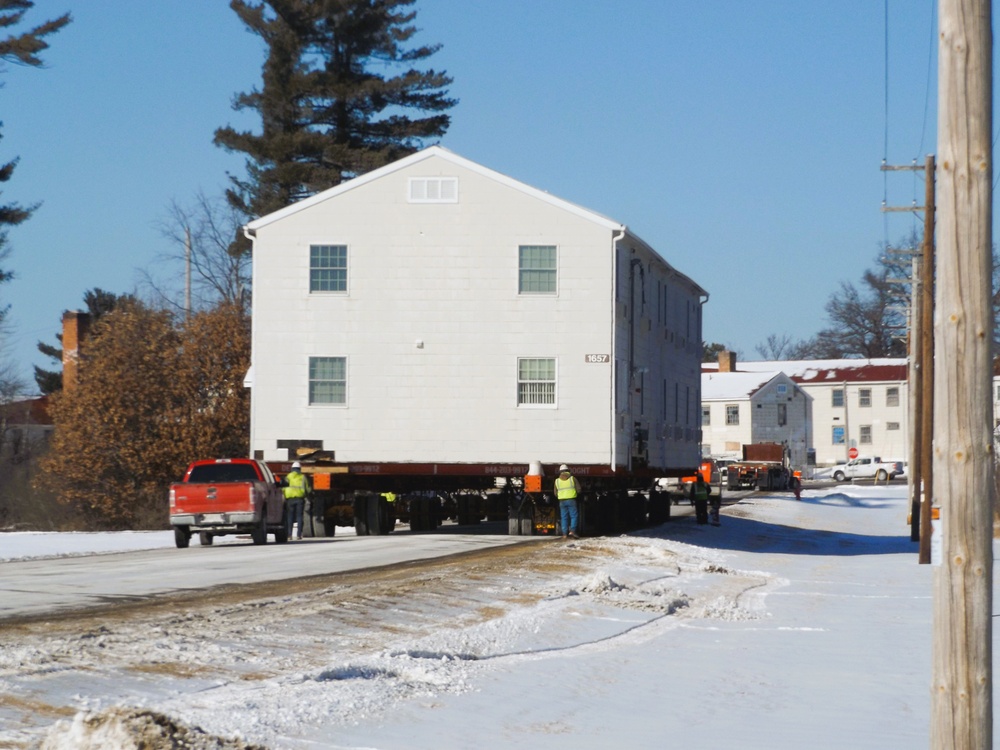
{"points": [[794, 624]]}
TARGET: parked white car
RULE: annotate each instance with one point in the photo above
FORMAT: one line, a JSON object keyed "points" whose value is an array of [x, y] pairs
{"points": [[868, 467]]}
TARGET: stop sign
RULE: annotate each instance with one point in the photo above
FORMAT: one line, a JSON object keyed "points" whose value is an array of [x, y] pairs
{"points": [[852, 453]]}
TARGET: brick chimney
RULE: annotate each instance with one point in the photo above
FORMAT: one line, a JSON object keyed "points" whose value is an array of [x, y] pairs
{"points": [[727, 361], [75, 325]]}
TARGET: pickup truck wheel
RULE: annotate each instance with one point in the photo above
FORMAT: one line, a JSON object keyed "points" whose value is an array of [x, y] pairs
{"points": [[882, 475], [259, 534], [838, 476], [206, 539], [182, 536]]}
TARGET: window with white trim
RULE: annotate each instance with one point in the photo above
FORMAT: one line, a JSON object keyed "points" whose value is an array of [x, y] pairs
{"points": [[866, 435], [706, 416], [892, 425], [328, 268], [732, 414], [328, 380], [536, 269], [838, 397], [892, 396], [865, 397], [536, 381], [433, 190]]}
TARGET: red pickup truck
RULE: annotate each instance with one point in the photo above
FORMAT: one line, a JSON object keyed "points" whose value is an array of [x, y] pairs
{"points": [[227, 496]]}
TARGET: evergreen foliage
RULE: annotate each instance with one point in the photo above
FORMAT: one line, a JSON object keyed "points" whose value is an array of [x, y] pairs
{"points": [[151, 395], [98, 303], [329, 109], [24, 49]]}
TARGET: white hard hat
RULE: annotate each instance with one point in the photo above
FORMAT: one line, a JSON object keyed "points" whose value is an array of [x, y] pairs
{"points": [[296, 465], [564, 467]]}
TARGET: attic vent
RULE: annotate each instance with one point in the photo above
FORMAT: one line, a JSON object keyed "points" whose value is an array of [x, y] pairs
{"points": [[433, 190]]}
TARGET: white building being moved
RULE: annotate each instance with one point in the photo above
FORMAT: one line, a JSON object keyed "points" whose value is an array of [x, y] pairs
{"points": [[437, 311]]}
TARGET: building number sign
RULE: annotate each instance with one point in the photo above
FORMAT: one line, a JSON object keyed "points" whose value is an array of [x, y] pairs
{"points": [[596, 359]]}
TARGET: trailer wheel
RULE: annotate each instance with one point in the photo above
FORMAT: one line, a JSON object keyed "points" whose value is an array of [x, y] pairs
{"points": [[361, 515], [379, 516], [182, 536], [206, 538]]}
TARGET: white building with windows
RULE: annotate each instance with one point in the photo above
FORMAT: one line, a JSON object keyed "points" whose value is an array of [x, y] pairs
{"points": [[434, 310], [739, 408], [853, 403]]}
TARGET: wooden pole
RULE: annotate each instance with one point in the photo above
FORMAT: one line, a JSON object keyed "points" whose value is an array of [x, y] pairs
{"points": [[927, 367], [962, 687], [915, 399]]}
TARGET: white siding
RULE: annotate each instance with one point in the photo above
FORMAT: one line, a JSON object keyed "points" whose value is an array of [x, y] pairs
{"points": [[432, 326]]}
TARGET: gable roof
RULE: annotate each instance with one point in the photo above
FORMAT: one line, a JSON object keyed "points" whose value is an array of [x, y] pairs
{"points": [[716, 386], [820, 371], [439, 152], [430, 153]]}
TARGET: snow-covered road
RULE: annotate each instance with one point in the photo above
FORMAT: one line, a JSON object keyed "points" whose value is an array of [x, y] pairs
{"points": [[792, 625]]}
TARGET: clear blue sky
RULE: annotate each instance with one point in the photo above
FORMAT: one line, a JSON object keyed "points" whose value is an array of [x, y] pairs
{"points": [[742, 140]]}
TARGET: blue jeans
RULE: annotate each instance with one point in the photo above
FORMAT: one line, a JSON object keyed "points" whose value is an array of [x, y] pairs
{"points": [[568, 516], [293, 514]]}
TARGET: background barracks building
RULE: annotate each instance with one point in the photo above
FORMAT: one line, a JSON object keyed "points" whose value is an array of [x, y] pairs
{"points": [[437, 311]]}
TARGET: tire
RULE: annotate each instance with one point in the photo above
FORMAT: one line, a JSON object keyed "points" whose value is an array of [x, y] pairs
{"points": [[205, 538], [259, 533], [182, 536], [375, 516], [838, 476], [361, 515], [881, 476]]}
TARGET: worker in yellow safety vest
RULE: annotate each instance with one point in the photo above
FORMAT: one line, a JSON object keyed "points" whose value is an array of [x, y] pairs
{"points": [[566, 490], [296, 487]]}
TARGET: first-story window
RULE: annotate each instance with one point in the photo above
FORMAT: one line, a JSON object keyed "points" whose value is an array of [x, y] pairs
{"points": [[838, 436], [328, 380], [732, 414], [536, 381]]}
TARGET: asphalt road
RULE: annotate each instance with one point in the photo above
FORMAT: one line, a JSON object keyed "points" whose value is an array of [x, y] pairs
{"points": [[32, 588]]}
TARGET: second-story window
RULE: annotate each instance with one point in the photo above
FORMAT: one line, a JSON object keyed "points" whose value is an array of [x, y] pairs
{"points": [[732, 414], [838, 397], [892, 396], [328, 268], [536, 269], [864, 397]]}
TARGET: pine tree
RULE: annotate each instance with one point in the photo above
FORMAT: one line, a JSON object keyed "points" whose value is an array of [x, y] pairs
{"points": [[328, 111], [24, 49]]}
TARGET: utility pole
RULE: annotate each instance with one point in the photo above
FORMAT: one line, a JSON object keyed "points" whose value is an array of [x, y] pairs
{"points": [[920, 375], [187, 273], [962, 681], [926, 347]]}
